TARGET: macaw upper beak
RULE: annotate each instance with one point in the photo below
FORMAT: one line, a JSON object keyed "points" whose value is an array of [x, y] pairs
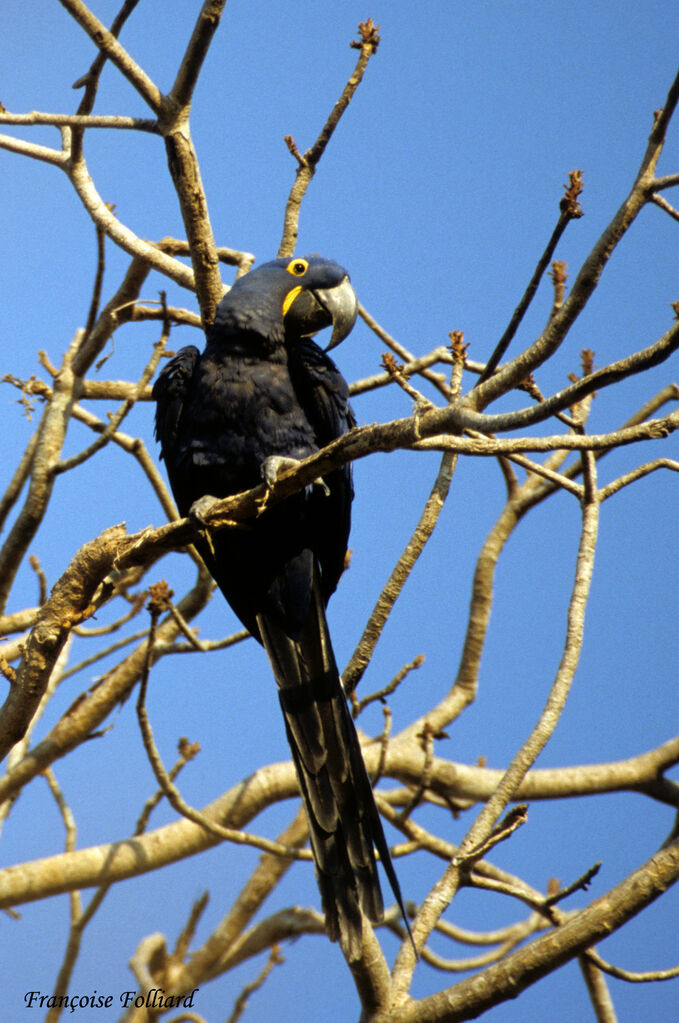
{"points": [[315, 309]]}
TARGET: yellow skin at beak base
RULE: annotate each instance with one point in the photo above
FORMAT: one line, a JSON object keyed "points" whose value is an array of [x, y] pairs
{"points": [[290, 298]]}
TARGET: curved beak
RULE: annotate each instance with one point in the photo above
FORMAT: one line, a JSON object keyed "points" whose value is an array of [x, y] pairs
{"points": [[315, 309], [341, 305]]}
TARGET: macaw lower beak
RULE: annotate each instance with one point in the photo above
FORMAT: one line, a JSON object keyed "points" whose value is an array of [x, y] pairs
{"points": [[313, 310]]}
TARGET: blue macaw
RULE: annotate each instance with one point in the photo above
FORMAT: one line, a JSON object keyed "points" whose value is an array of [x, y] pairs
{"points": [[260, 394]]}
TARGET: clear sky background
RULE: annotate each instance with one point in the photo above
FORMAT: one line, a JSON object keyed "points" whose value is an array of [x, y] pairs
{"points": [[438, 192]]}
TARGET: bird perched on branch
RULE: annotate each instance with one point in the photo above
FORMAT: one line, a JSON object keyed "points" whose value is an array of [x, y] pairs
{"points": [[260, 395]]}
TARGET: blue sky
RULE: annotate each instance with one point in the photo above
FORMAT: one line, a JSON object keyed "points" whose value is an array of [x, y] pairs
{"points": [[438, 192]]}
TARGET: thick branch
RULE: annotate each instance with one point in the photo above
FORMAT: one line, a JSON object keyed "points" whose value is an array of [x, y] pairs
{"points": [[50, 440], [235, 808], [109, 863], [196, 51], [69, 602], [119, 233], [88, 712]]}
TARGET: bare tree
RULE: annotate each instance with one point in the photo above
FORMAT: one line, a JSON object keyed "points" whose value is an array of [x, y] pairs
{"points": [[115, 576]]}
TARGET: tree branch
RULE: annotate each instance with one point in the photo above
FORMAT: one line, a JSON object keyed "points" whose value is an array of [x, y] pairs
{"points": [[587, 279], [206, 25], [306, 165], [117, 54], [480, 831], [81, 121], [569, 210], [504, 980]]}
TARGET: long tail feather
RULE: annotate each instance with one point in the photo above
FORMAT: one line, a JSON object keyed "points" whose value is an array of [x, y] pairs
{"points": [[344, 823]]}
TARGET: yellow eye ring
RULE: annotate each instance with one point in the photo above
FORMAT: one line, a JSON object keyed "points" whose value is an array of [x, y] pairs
{"points": [[297, 267]]}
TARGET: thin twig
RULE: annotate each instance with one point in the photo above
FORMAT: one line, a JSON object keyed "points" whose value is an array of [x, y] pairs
{"points": [[631, 976], [98, 280], [437, 379], [207, 645], [390, 688], [187, 752], [135, 447], [569, 210], [106, 630], [81, 121], [396, 373], [580, 884], [306, 164], [408, 369], [360, 658], [636, 474], [599, 994], [503, 830], [16, 484], [427, 738], [275, 959], [116, 419], [660, 201]]}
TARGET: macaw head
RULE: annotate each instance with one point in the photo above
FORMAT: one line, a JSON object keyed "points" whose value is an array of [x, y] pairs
{"points": [[288, 299]]}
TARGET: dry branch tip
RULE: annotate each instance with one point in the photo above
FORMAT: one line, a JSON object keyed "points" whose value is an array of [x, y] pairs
{"points": [[569, 203], [581, 883], [160, 598], [370, 38], [292, 147], [458, 346]]}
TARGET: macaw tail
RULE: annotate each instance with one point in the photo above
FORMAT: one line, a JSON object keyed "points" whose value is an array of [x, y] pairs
{"points": [[344, 823]]}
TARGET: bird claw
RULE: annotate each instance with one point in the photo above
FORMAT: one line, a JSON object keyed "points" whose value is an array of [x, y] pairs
{"points": [[198, 513], [200, 509], [275, 464]]}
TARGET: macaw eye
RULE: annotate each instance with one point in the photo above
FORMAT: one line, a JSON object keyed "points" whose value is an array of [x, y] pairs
{"points": [[298, 267]]}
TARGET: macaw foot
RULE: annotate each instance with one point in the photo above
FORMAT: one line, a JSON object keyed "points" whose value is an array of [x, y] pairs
{"points": [[198, 513], [199, 510], [275, 464]]}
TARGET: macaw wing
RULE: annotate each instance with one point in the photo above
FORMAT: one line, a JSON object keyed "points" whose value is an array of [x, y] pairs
{"points": [[324, 395], [170, 392], [322, 391]]}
